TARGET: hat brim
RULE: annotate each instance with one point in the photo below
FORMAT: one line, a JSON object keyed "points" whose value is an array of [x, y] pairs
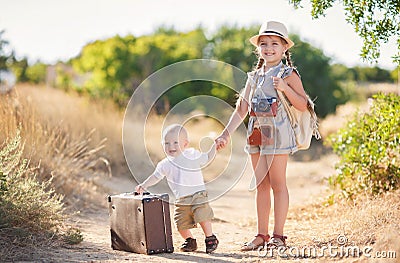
{"points": [[254, 39]]}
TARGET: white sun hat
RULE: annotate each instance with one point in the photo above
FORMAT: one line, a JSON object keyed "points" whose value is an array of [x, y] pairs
{"points": [[272, 28]]}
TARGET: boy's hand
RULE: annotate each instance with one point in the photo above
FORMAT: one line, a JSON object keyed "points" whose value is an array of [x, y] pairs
{"points": [[139, 189]]}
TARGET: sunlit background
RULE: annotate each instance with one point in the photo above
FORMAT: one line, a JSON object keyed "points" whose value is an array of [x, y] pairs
{"points": [[49, 30]]}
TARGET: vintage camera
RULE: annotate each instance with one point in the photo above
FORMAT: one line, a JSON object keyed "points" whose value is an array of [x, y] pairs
{"points": [[264, 106]]}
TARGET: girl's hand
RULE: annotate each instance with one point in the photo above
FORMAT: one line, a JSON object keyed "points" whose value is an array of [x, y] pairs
{"points": [[279, 84], [221, 141]]}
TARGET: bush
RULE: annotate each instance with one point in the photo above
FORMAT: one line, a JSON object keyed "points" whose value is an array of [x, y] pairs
{"points": [[369, 147], [24, 202]]}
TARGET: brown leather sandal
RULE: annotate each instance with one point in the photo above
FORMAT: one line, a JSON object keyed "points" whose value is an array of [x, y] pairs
{"points": [[248, 246], [277, 241]]}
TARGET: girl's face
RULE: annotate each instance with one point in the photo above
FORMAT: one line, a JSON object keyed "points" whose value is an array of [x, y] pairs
{"points": [[271, 49], [174, 143]]}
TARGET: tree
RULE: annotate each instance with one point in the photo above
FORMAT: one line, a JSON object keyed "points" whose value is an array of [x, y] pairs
{"points": [[20, 67], [116, 66], [374, 21], [231, 45], [105, 65], [37, 73], [317, 78], [6, 57]]}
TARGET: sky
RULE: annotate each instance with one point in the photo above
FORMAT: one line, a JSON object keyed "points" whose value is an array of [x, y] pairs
{"points": [[52, 30]]}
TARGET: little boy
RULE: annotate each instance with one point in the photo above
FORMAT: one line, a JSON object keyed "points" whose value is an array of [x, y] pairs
{"points": [[182, 168]]}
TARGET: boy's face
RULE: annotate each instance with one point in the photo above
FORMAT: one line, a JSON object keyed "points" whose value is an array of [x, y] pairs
{"points": [[174, 143]]}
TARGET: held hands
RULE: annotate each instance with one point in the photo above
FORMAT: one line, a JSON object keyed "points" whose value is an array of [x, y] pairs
{"points": [[279, 84], [221, 141]]}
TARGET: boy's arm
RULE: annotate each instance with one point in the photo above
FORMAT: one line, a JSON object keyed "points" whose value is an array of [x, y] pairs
{"points": [[151, 180]]}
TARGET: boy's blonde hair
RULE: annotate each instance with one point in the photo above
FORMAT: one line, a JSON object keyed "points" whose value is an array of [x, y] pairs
{"points": [[174, 128]]}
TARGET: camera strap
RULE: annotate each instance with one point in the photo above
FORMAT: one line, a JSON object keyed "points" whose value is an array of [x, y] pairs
{"points": [[255, 83]]}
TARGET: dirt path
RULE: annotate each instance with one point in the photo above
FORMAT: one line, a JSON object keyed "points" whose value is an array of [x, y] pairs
{"points": [[234, 223]]}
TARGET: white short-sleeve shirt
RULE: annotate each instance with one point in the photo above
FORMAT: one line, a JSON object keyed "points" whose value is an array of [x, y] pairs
{"points": [[183, 172]]}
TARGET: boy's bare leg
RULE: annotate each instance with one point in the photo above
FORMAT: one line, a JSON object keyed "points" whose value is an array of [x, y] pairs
{"points": [[207, 228], [185, 233]]}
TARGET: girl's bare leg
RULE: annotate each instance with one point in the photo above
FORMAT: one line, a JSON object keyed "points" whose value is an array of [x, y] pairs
{"points": [[277, 179], [263, 198]]}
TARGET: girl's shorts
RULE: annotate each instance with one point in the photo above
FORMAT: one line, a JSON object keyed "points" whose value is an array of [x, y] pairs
{"points": [[192, 209], [264, 149]]}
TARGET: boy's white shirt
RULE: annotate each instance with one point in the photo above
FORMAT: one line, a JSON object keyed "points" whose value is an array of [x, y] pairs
{"points": [[183, 172]]}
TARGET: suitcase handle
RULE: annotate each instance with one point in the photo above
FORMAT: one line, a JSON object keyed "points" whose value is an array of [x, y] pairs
{"points": [[145, 193]]}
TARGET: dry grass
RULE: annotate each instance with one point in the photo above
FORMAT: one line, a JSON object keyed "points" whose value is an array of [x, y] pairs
{"points": [[60, 138], [66, 135], [79, 116], [365, 221]]}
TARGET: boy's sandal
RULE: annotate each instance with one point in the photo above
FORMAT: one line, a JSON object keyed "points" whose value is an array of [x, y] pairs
{"points": [[189, 245], [248, 246], [211, 243], [277, 241]]}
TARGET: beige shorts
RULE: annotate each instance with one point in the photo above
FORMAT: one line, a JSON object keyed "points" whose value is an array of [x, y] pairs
{"points": [[192, 209]]}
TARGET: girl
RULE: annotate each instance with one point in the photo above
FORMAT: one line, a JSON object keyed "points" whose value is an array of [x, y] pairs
{"points": [[269, 158]]}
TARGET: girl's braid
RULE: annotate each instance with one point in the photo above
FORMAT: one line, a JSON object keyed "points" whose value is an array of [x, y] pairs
{"points": [[260, 62], [288, 59]]}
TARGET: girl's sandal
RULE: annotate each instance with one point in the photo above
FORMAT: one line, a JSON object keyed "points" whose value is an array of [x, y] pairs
{"points": [[248, 246], [277, 241]]}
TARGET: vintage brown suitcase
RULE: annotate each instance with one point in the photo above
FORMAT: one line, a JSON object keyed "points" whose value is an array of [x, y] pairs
{"points": [[140, 223]]}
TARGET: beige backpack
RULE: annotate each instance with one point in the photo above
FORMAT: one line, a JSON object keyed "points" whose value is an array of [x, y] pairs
{"points": [[304, 124]]}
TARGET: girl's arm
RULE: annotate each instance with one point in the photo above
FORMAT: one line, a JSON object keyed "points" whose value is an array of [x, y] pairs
{"points": [[236, 118], [292, 87]]}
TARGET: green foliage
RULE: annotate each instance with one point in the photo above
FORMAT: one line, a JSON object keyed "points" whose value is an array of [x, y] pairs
{"points": [[37, 73], [23, 73], [371, 74], [24, 202], [361, 74], [108, 63], [73, 236], [232, 45], [6, 56], [369, 147], [118, 65], [395, 74], [317, 78], [374, 21], [19, 67]]}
